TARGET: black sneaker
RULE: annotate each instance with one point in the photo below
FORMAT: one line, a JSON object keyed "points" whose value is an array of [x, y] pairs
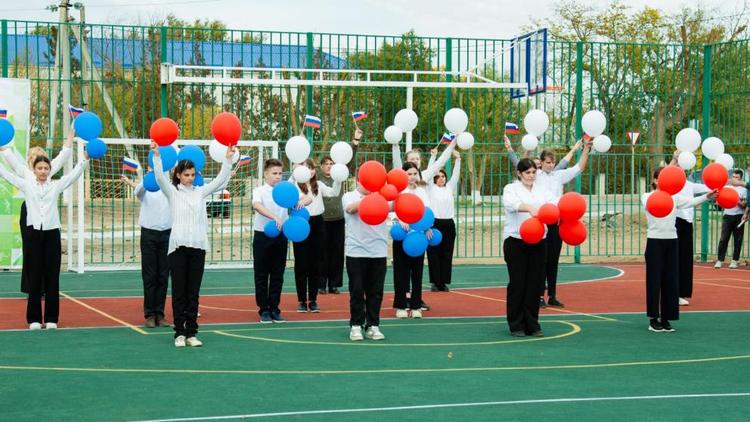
{"points": [[322, 291], [276, 317], [265, 318], [445, 289], [518, 333], [424, 306], [302, 307], [434, 288], [666, 326], [334, 291], [537, 333], [542, 303], [554, 302], [655, 326], [314, 307]]}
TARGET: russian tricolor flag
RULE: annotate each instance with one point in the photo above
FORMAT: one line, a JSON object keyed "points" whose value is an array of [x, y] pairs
{"points": [[129, 164], [447, 138], [312, 121], [244, 160], [511, 128], [75, 111], [3, 113], [359, 115]]}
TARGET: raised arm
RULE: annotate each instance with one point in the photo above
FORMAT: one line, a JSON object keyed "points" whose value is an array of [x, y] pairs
{"points": [[511, 154], [71, 177], [396, 153], [222, 178], [563, 163], [430, 171], [161, 177], [355, 145], [329, 191], [15, 162], [62, 158], [456, 174], [13, 179], [584, 156]]}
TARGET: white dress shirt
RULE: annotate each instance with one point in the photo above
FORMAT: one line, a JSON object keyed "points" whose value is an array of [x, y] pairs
{"points": [[664, 228], [363, 240], [188, 205], [263, 194], [155, 213], [41, 198], [689, 191], [738, 210], [18, 164], [443, 199], [514, 195], [555, 180], [316, 207]]}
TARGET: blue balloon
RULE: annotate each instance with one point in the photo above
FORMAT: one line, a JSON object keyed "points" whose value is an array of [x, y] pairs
{"points": [[285, 194], [302, 212], [397, 232], [271, 230], [198, 181], [149, 182], [296, 229], [424, 223], [415, 244], [88, 125], [437, 237], [96, 149], [168, 157], [194, 154], [7, 132]]}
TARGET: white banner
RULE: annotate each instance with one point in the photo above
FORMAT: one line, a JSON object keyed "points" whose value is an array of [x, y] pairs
{"points": [[15, 97]]}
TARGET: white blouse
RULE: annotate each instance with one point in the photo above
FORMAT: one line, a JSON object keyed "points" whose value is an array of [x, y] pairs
{"points": [[17, 163], [188, 205], [664, 228], [41, 198], [443, 199], [514, 195], [555, 180], [316, 207]]}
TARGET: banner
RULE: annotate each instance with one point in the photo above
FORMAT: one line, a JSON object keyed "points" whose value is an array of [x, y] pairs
{"points": [[15, 97]]}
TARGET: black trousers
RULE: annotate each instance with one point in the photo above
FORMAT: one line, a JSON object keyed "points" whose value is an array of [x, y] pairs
{"points": [[554, 246], [43, 274], [407, 276], [269, 261], [662, 290], [366, 280], [154, 270], [307, 262], [333, 255], [186, 267], [25, 230], [685, 256], [526, 273], [729, 228], [440, 257]]}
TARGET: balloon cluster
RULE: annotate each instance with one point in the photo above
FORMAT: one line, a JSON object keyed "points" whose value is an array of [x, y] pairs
{"points": [[296, 228], [671, 180], [455, 120], [88, 127], [568, 213], [415, 241]]}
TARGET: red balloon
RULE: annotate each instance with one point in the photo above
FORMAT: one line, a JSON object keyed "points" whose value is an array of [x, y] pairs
{"points": [[715, 176], [573, 232], [727, 198], [572, 206], [372, 175], [532, 230], [659, 204], [373, 209], [399, 179], [226, 128], [671, 179], [389, 192], [164, 131], [409, 208], [548, 214]]}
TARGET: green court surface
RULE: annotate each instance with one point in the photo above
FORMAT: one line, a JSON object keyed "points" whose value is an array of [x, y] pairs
{"points": [[592, 368], [240, 281]]}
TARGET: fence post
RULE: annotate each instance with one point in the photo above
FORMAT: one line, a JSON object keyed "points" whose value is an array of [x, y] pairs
{"points": [[705, 127], [4, 47], [448, 68], [163, 59], [579, 114], [309, 89]]}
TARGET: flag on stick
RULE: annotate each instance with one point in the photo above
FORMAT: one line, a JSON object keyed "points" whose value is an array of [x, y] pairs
{"points": [[312, 121], [511, 128], [129, 164]]}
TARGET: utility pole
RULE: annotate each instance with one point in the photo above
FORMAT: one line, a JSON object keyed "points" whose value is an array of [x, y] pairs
{"points": [[85, 90]]}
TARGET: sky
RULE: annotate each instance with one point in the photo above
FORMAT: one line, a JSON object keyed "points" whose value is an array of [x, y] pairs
{"points": [[477, 18]]}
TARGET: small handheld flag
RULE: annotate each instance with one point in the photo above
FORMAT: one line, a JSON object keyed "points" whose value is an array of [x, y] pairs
{"points": [[244, 160], [511, 128], [312, 121], [129, 164], [3, 114], [359, 115], [447, 138], [75, 111]]}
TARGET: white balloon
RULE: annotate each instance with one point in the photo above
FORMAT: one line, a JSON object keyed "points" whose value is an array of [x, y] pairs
{"points": [[712, 148], [688, 139], [339, 172], [726, 160], [536, 122], [456, 120], [465, 140], [218, 151], [594, 123], [529, 142], [406, 120], [602, 143], [393, 134], [302, 174], [341, 152], [297, 149], [686, 160]]}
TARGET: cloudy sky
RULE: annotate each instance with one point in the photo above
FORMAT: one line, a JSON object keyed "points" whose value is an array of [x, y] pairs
{"points": [[477, 18]]}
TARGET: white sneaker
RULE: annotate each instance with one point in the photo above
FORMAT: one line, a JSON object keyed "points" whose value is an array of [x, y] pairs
{"points": [[35, 326], [355, 334], [373, 333], [683, 302], [402, 313], [416, 314], [194, 342], [717, 265], [179, 341], [733, 264], [51, 326]]}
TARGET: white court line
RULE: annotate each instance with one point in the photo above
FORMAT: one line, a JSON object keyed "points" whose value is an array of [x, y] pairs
{"points": [[454, 405]]}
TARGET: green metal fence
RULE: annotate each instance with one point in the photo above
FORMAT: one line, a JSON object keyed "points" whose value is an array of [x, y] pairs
{"points": [[654, 89]]}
